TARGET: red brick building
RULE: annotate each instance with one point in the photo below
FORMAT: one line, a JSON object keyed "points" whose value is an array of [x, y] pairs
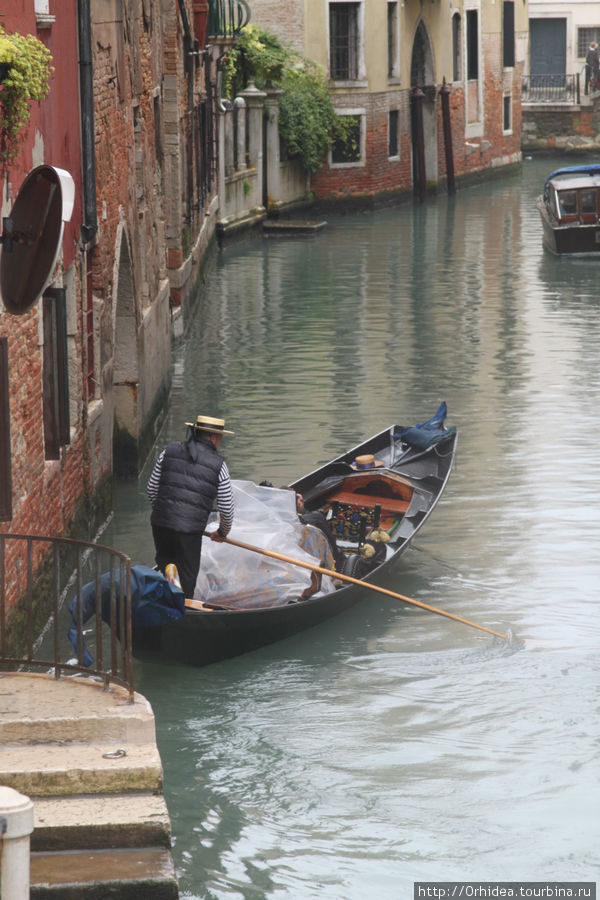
{"points": [[43, 474], [377, 52], [85, 370]]}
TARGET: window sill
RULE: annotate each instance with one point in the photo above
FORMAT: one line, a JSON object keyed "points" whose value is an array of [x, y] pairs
{"points": [[44, 20], [359, 164], [353, 83]]}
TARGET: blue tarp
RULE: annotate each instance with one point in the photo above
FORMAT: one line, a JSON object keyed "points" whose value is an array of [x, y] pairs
{"points": [[154, 601], [426, 433]]}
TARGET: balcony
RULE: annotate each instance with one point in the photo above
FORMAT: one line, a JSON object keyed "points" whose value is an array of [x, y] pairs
{"points": [[551, 89], [226, 18]]}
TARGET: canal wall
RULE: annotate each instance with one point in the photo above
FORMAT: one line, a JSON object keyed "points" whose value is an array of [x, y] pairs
{"points": [[561, 127]]}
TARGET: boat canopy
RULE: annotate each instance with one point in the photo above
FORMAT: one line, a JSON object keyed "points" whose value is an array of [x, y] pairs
{"points": [[593, 169]]}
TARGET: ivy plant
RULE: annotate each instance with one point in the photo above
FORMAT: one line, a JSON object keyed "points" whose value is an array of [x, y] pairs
{"points": [[29, 68], [308, 123]]}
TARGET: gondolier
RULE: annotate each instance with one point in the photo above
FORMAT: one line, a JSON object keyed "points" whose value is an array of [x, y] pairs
{"points": [[188, 477], [374, 513]]}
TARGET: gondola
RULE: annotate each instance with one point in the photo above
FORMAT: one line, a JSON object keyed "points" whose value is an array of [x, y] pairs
{"points": [[569, 209], [375, 497]]}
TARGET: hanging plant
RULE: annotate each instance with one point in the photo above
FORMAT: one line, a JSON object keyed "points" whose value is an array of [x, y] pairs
{"points": [[27, 79]]}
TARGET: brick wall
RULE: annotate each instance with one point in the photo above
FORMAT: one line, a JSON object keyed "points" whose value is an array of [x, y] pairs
{"points": [[560, 127]]}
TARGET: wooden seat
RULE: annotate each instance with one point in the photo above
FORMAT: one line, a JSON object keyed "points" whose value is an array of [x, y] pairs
{"points": [[391, 504]]}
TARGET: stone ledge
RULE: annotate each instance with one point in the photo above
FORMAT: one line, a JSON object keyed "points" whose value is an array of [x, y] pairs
{"points": [[53, 771], [37, 708], [100, 821], [140, 874]]}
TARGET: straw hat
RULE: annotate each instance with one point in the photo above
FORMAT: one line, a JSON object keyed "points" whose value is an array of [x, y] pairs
{"points": [[207, 423], [367, 461]]}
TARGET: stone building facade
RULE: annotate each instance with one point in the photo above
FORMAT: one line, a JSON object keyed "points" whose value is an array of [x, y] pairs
{"points": [[131, 117], [375, 55]]}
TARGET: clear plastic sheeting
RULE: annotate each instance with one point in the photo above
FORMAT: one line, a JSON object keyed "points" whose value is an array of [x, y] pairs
{"points": [[237, 578]]}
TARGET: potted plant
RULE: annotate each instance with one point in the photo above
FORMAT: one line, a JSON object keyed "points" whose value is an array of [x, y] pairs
{"points": [[27, 66]]}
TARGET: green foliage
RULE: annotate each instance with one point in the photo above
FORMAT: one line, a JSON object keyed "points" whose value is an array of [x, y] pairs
{"points": [[258, 56], [308, 123], [27, 80]]}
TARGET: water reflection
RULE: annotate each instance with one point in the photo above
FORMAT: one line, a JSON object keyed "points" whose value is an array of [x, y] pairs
{"points": [[390, 745]]}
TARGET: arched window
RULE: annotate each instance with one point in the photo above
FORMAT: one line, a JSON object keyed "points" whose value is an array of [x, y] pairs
{"points": [[456, 47]]}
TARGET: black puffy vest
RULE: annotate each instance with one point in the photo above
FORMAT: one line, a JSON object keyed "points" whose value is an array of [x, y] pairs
{"points": [[187, 489]]}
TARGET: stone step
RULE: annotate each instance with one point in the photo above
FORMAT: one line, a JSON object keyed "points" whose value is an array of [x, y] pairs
{"points": [[36, 708], [100, 822], [138, 874], [53, 770]]}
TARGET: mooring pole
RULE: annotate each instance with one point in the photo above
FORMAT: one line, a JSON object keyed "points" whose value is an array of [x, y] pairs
{"points": [[447, 124], [418, 142]]}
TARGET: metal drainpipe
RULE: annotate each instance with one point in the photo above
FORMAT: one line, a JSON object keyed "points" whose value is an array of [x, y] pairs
{"points": [[190, 50], [88, 152]]}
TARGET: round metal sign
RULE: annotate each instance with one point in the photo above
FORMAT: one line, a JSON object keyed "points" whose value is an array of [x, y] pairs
{"points": [[32, 235]]}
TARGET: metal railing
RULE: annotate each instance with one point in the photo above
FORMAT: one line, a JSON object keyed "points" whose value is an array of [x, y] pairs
{"points": [[49, 616], [551, 89], [226, 18]]}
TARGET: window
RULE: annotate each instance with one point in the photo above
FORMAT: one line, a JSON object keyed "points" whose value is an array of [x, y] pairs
{"points": [[5, 458], [585, 36], [508, 34], [90, 359], [456, 55], [349, 150], [472, 44], [588, 201], [55, 372], [392, 26], [393, 133], [567, 201], [506, 114], [343, 41], [158, 143]]}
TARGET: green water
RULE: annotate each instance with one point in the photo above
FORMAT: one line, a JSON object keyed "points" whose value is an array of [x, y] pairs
{"points": [[389, 745]]}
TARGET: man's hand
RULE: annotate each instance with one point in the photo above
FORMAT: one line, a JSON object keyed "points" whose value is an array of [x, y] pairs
{"points": [[217, 536]]}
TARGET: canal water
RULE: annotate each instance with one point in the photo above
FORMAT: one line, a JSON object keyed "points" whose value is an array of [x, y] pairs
{"points": [[390, 745]]}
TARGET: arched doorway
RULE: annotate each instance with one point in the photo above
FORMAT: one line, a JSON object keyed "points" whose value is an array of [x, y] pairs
{"points": [[125, 368], [422, 76]]}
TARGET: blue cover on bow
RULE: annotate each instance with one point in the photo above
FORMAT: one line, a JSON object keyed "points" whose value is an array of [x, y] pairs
{"points": [[426, 433], [154, 601]]}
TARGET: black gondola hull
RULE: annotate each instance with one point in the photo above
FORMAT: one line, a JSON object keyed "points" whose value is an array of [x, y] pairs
{"points": [[203, 637]]}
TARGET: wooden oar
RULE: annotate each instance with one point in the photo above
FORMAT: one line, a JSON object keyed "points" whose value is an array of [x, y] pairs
{"points": [[365, 584]]}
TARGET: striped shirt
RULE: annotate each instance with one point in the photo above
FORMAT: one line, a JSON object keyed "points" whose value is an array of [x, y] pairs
{"points": [[224, 493]]}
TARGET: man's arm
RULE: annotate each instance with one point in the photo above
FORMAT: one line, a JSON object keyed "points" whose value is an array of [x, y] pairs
{"points": [[225, 501], [154, 480]]}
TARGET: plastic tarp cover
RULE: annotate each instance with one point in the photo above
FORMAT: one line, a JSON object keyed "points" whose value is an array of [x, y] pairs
{"points": [[238, 578]]}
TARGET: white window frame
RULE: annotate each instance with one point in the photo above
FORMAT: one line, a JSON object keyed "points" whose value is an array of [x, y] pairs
{"points": [[394, 75], [359, 112], [473, 129], [508, 130], [43, 17], [361, 76], [396, 156], [459, 50]]}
